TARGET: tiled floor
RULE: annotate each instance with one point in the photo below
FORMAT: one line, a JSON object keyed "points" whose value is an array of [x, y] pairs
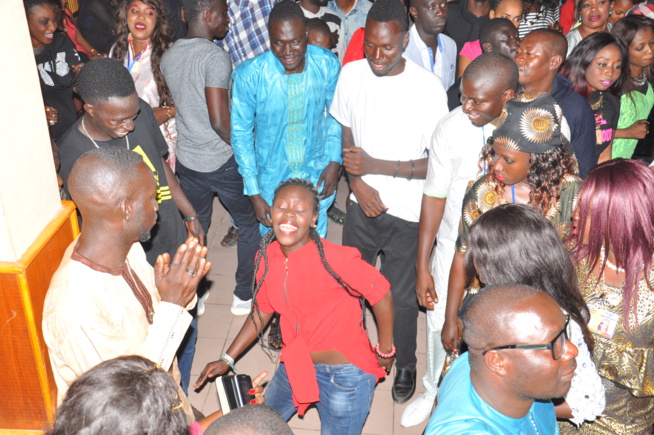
{"points": [[217, 328]]}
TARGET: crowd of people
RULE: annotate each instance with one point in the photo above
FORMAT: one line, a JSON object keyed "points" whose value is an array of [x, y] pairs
{"points": [[496, 156]]}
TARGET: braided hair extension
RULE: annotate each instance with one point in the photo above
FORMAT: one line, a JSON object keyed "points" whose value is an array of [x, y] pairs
{"points": [[256, 286], [315, 237]]}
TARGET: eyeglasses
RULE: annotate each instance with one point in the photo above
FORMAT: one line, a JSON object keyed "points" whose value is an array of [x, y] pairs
{"points": [[556, 346]]}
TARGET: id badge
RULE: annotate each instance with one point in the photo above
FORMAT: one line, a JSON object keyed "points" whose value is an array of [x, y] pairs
{"points": [[603, 322]]}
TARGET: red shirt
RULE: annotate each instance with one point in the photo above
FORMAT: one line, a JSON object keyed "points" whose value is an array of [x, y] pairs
{"points": [[316, 313], [567, 16], [354, 50]]}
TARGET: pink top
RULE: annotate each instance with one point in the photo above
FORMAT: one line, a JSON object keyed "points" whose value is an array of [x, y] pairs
{"points": [[471, 50], [316, 313], [195, 429]]}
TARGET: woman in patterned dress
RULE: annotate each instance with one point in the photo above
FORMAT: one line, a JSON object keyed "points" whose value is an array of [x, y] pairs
{"points": [[612, 247], [528, 162]]}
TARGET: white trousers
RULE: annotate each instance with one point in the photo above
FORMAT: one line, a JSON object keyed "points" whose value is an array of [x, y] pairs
{"points": [[440, 270]]}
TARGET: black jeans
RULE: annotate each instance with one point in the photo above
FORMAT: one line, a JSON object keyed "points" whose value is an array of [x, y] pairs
{"points": [[227, 183], [396, 240]]}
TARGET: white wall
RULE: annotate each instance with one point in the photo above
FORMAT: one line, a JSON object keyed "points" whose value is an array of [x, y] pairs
{"points": [[29, 195]]}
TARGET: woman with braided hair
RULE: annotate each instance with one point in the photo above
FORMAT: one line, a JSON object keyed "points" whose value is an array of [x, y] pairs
{"points": [[319, 289], [57, 62]]}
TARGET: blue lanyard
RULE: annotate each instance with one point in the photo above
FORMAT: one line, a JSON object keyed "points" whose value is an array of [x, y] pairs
{"points": [[513, 193], [483, 144], [130, 64]]}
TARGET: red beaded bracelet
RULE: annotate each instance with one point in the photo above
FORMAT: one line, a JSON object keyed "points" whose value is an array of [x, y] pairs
{"points": [[385, 355]]}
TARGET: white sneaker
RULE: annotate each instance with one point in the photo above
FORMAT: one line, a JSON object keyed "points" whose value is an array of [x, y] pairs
{"points": [[201, 302], [241, 307], [418, 410]]}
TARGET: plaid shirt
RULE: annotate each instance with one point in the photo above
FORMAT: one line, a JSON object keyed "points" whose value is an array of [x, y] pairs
{"points": [[248, 30]]}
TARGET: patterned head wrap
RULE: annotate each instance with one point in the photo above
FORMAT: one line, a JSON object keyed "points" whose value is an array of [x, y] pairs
{"points": [[531, 125]]}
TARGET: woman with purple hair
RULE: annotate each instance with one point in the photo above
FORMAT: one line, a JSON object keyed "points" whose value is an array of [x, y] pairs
{"points": [[612, 248]]}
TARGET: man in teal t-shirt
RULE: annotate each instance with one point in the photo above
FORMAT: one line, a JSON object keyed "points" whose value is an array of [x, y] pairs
{"points": [[519, 359]]}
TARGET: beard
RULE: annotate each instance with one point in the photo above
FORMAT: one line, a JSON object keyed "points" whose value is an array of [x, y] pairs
{"points": [[145, 233], [144, 236]]}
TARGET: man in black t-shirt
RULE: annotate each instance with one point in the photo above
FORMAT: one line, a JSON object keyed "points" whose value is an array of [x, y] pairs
{"points": [[116, 116]]}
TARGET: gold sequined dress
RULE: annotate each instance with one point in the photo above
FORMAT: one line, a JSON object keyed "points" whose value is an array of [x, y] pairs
{"points": [[482, 196], [625, 362]]}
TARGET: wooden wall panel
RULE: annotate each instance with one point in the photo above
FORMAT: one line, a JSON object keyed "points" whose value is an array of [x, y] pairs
{"points": [[18, 370], [25, 374]]}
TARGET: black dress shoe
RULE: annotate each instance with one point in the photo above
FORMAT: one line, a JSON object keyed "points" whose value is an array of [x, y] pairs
{"points": [[404, 385]]}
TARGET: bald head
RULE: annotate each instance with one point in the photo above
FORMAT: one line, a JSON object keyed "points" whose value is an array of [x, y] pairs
{"points": [[555, 42], [519, 350], [499, 313], [541, 54], [495, 70], [102, 177], [491, 26]]}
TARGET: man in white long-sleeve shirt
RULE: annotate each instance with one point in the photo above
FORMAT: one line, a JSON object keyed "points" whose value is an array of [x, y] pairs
{"points": [[105, 300]]}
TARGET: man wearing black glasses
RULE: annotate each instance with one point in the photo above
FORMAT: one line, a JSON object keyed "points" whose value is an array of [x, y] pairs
{"points": [[519, 359]]}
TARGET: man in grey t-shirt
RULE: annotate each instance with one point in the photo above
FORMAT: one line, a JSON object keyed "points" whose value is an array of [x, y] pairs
{"points": [[198, 73]]}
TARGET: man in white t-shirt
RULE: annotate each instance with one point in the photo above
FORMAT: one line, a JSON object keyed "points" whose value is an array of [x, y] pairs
{"points": [[388, 107], [488, 82]]}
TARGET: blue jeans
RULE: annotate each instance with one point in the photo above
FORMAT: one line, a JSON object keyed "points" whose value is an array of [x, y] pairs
{"points": [[186, 352], [345, 397], [227, 183]]}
